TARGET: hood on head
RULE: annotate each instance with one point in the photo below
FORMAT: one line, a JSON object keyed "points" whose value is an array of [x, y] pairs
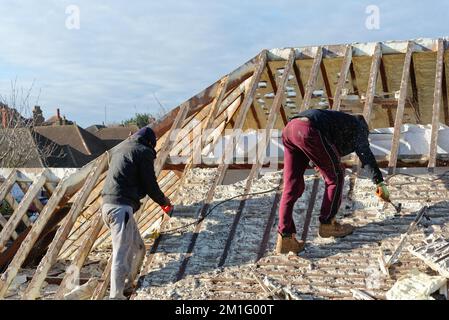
{"points": [[146, 136]]}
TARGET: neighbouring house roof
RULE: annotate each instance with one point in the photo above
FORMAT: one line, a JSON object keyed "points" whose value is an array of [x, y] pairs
{"points": [[34, 150], [94, 128], [112, 136], [84, 146]]}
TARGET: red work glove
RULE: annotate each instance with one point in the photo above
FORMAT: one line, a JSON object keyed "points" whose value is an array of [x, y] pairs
{"points": [[168, 207]]}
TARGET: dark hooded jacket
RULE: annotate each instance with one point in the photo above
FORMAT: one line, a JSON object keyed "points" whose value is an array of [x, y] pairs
{"points": [[131, 173], [348, 134]]}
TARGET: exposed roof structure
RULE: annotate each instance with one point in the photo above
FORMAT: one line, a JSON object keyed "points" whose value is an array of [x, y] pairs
{"points": [[391, 83]]}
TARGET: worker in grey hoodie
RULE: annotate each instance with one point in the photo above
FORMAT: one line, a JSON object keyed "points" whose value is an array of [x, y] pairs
{"points": [[130, 178]]}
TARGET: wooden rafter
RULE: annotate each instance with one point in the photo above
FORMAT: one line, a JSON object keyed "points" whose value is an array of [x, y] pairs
{"points": [[21, 210], [436, 105], [372, 81], [262, 148], [401, 106], [27, 245], [33, 289], [327, 85], [347, 60], [415, 99], [310, 87], [241, 117]]}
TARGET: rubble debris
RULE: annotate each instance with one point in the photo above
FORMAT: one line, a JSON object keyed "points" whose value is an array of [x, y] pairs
{"points": [[434, 251], [416, 286], [83, 292], [361, 295], [395, 256]]}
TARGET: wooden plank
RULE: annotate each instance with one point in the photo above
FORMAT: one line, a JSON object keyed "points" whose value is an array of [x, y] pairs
{"points": [[33, 289], [241, 117], [298, 80], [7, 185], [436, 106], [18, 214], [72, 276], [311, 206], [277, 105], [269, 226], [372, 81], [311, 82], [327, 85], [171, 139], [310, 87], [401, 107], [343, 76], [39, 206], [27, 245], [415, 98], [101, 289], [445, 97]]}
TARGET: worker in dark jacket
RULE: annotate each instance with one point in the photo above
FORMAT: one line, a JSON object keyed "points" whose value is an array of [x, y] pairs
{"points": [[322, 137], [130, 178]]}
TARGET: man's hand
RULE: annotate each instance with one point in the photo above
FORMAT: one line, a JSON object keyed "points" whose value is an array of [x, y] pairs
{"points": [[167, 207], [167, 201], [382, 192]]}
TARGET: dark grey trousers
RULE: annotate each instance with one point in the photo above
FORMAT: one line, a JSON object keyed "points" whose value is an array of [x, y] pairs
{"points": [[128, 249]]}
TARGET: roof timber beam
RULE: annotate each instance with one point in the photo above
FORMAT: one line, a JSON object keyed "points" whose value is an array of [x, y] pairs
{"points": [[383, 80], [327, 85], [274, 85], [59, 197], [275, 108], [205, 113], [239, 122], [400, 110], [298, 80], [372, 81], [21, 210], [33, 289], [445, 97], [415, 98], [436, 105], [345, 66], [312, 79]]}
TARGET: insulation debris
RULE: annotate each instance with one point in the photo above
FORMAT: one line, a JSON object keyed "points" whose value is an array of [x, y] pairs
{"points": [[416, 286]]}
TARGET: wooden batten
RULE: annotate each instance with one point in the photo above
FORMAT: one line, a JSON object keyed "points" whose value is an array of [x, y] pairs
{"points": [[343, 76], [33, 289], [436, 105], [21, 210], [400, 110], [312, 79]]}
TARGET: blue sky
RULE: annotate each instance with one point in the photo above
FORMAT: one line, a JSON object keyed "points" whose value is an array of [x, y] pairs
{"points": [[125, 52]]}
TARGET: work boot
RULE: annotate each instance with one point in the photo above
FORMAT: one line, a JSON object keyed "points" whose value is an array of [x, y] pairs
{"points": [[335, 229], [289, 243]]}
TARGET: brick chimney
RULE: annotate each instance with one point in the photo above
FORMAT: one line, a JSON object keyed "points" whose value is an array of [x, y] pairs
{"points": [[58, 115], [38, 117]]}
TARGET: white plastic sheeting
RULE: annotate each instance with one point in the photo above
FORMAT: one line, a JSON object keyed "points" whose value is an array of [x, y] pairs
{"points": [[414, 140]]}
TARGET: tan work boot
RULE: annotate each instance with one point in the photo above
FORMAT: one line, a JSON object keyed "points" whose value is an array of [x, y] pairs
{"points": [[288, 244], [335, 229]]}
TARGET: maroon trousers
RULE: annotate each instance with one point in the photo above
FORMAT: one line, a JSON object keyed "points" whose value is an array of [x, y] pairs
{"points": [[303, 143]]}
